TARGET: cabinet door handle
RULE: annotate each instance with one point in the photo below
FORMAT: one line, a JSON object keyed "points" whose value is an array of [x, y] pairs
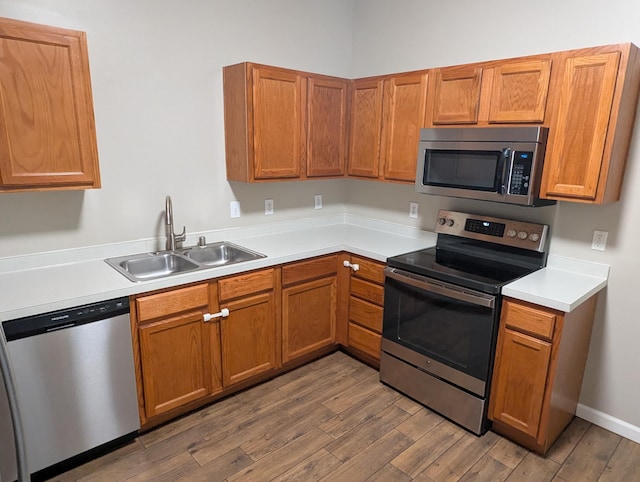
{"points": [[221, 314], [353, 266]]}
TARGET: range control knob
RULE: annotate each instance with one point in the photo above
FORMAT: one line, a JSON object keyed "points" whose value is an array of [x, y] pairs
{"points": [[450, 222], [523, 234], [535, 237], [512, 233], [441, 221]]}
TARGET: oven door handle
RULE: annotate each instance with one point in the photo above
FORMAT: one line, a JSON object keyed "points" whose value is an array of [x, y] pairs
{"points": [[440, 287]]}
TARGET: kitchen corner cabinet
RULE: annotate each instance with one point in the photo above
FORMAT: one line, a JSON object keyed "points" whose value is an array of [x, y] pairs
{"points": [[47, 127], [365, 308], [309, 306], [179, 356], [539, 365], [592, 122], [283, 124], [387, 114], [251, 342]]}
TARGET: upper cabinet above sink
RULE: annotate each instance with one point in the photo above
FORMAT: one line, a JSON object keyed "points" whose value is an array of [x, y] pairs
{"points": [[47, 129]]}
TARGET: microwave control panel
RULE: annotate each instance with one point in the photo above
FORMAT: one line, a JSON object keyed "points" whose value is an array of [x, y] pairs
{"points": [[520, 176]]}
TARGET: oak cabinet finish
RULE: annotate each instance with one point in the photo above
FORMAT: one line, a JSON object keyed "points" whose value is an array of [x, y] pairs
{"points": [[456, 97], [283, 124], [366, 121], [537, 377], [250, 334], [592, 123], [47, 127], [309, 306]]}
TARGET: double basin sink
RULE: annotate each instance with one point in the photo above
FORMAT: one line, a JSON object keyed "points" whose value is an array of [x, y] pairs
{"points": [[148, 266]]}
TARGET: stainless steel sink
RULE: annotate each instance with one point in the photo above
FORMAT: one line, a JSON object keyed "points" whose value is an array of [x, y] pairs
{"points": [[222, 253], [148, 266]]}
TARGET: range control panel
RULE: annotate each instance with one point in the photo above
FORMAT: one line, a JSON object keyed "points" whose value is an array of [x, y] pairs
{"points": [[509, 232]]}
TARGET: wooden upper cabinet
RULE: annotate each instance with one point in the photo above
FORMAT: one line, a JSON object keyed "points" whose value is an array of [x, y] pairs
{"points": [[327, 126], [47, 127], [592, 124], [520, 91], [456, 95], [404, 110], [366, 121]]}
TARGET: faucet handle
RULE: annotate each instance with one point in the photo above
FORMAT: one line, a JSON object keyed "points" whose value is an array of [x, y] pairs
{"points": [[182, 236]]}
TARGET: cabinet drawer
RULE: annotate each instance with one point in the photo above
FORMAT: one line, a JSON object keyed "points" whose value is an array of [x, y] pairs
{"points": [[245, 284], [365, 314], [367, 291], [307, 270], [529, 319], [364, 340], [171, 302], [369, 270]]}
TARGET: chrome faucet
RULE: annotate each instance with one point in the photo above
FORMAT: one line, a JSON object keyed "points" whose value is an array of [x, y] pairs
{"points": [[172, 238]]}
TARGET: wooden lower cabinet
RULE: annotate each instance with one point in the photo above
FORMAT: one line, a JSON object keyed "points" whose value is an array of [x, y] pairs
{"points": [[537, 377], [250, 334], [309, 306]]}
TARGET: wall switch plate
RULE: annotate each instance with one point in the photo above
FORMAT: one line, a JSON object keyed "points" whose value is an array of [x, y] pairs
{"points": [[268, 206], [599, 240], [234, 209], [413, 210], [317, 201]]}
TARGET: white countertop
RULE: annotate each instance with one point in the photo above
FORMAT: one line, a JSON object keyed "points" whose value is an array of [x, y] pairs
{"points": [[63, 279]]}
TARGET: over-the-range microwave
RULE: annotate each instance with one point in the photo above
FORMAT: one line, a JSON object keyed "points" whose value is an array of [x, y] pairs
{"points": [[501, 164]]}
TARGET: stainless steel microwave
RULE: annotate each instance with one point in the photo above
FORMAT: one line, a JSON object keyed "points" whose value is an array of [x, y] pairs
{"points": [[501, 164]]}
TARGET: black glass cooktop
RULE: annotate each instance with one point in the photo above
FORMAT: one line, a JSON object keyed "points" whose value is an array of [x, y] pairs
{"points": [[473, 265]]}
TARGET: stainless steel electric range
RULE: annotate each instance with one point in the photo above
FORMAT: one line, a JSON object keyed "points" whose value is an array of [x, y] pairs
{"points": [[442, 307]]}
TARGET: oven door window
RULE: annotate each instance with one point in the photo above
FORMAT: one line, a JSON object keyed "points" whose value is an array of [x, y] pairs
{"points": [[476, 170], [456, 333]]}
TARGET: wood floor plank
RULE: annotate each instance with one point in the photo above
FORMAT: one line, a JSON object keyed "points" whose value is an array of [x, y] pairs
{"points": [[624, 464], [169, 470], [389, 473], [568, 440], [463, 455], [534, 468], [300, 403], [219, 469], [487, 468], [420, 423], [408, 405], [590, 457], [284, 458], [508, 453], [314, 467], [371, 459], [347, 399], [424, 451], [357, 439]]}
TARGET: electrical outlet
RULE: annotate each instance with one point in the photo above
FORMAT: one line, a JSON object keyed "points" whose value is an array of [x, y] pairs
{"points": [[599, 240], [317, 201], [413, 210], [268, 206], [234, 209]]}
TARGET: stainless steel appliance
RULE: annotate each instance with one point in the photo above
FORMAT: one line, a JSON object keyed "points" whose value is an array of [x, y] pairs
{"points": [[442, 307], [502, 164], [75, 381]]}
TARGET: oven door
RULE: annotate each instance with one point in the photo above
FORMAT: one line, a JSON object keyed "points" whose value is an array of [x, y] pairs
{"points": [[441, 328]]}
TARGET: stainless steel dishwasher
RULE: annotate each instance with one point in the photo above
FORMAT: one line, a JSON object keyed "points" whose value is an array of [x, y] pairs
{"points": [[75, 381]]}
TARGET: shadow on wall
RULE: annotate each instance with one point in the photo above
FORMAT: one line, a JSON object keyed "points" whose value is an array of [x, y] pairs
{"points": [[40, 212]]}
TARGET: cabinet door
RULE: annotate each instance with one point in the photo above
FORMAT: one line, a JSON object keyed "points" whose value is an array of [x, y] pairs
{"points": [[308, 317], [327, 127], [278, 123], [366, 122], [520, 92], [175, 359], [47, 128], [519, 381], [574, 161], [457, 95], [405, 101], [249, 338]]}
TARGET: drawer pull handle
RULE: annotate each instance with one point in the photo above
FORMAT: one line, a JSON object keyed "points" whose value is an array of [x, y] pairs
{"points": [[353, 266], [221, 314]]}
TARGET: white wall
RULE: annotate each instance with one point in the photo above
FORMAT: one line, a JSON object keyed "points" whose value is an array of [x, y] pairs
{"points": [[157, 86], [400, 35], [156, 69]]}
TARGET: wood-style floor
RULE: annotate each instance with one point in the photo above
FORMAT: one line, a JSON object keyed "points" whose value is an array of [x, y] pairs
{"points": [[332, 420]]}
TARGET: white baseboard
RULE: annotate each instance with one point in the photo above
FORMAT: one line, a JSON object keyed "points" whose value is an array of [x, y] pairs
{"points": [[608, 422]]}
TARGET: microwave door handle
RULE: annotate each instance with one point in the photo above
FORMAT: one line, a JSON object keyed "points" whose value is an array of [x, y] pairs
{"points": [[502, 171], [440, 288]]}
